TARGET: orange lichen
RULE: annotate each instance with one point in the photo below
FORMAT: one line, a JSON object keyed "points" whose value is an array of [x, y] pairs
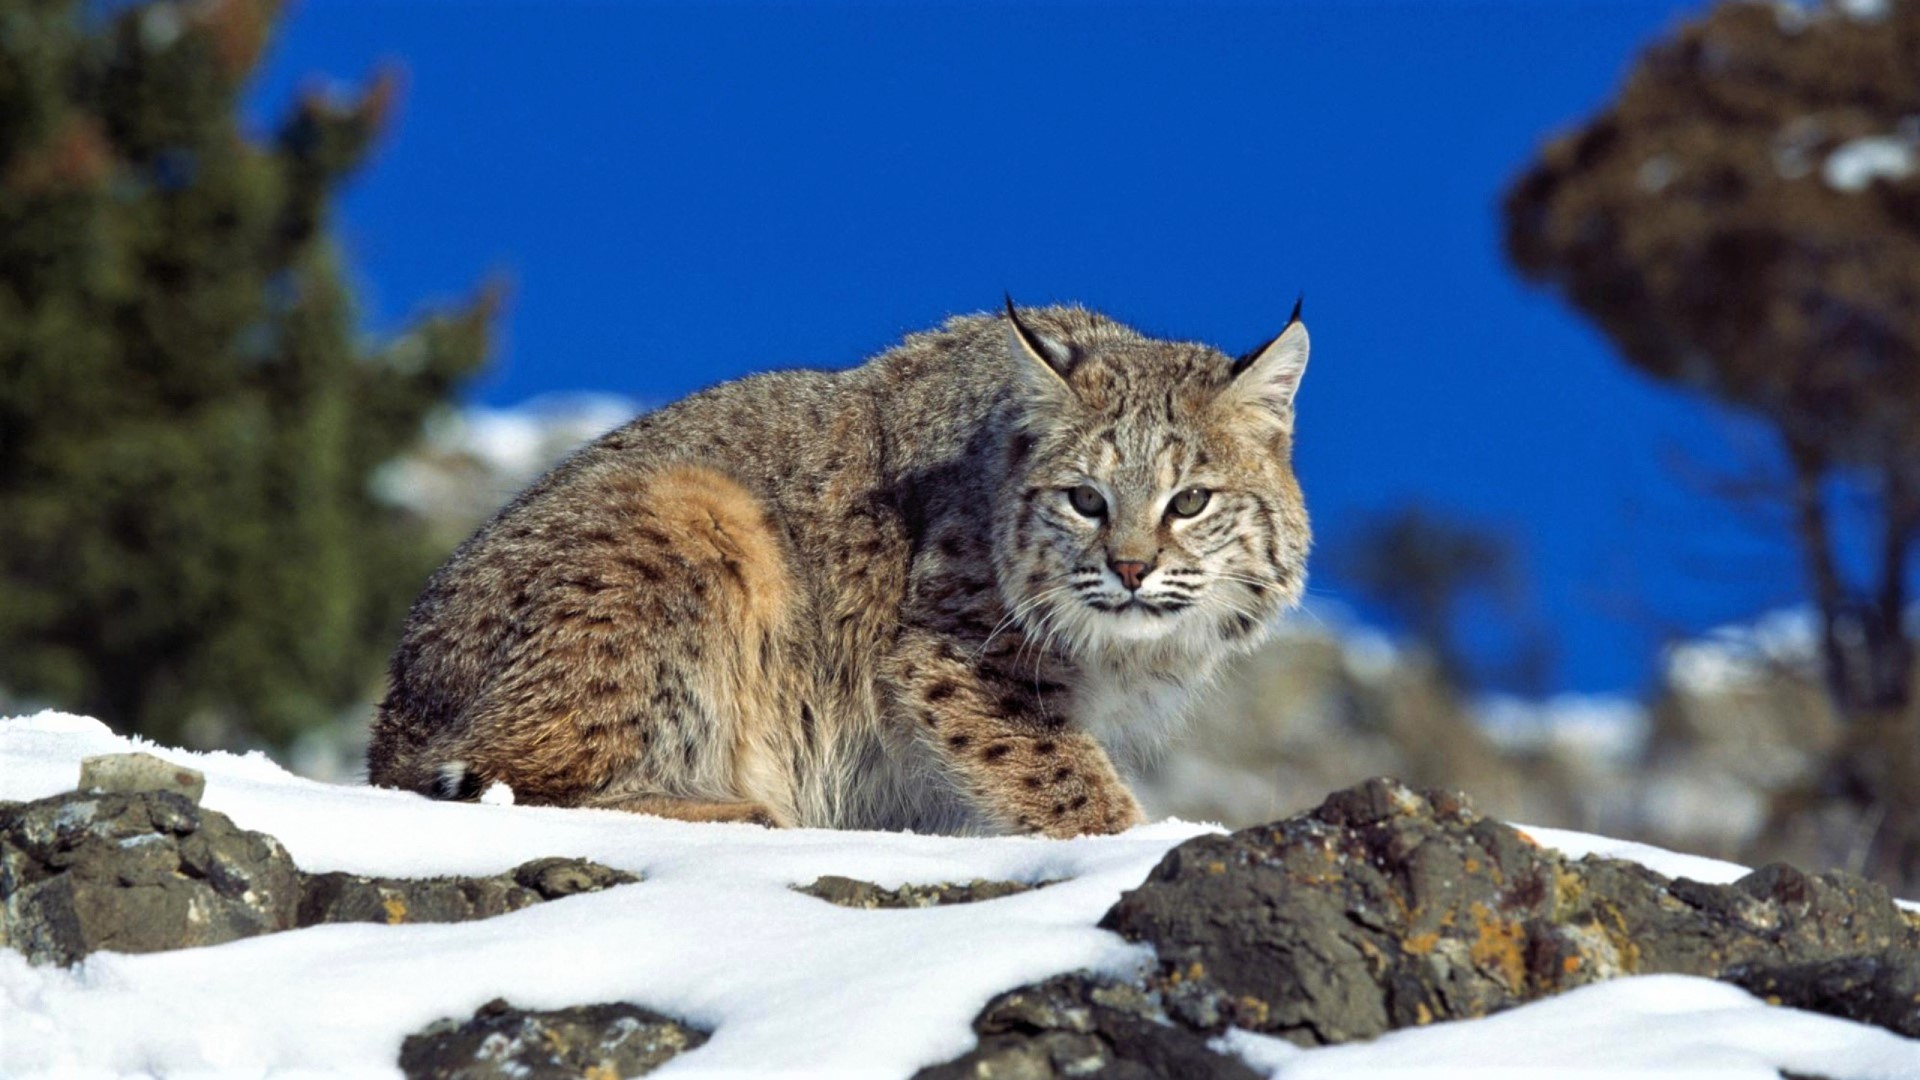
{"points": [[1499, 947]]}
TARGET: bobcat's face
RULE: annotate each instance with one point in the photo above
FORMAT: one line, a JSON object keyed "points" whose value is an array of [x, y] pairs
{"points": [[1152, 493]]}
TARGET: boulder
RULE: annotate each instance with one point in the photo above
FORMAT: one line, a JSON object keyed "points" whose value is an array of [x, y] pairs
{"points": [[1386, 907], [347, 898], [505, 1043], [1083, 1026], [135, 872], [853, 893], [1882, 989], [130, 774], [130, 863]]}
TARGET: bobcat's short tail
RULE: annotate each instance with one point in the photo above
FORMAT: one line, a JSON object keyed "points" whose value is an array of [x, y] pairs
{"points": [[455, 782]]}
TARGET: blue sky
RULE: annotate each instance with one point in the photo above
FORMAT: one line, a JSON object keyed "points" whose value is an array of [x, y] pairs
{"points": [[685, 194]]}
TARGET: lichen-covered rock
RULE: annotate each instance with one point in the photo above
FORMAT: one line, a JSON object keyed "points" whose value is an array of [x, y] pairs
{"points": [[554, 877], [129, 774], [853, 893], [135, 872], [505, 1043], [347, 898], [1386, 907], [130, 863], [1881, 989], [1083, 1026]]}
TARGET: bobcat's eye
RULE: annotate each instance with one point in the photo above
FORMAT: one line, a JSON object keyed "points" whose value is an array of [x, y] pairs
{"points": [[1189, 502], [1087, 500]]}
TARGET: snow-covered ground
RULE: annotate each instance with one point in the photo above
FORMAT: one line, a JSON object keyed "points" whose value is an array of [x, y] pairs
{"points": [[788, 984]]}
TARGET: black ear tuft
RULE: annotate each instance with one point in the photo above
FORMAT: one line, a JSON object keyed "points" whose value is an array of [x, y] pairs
{"points": [[1057, 357], [1247, 358]]}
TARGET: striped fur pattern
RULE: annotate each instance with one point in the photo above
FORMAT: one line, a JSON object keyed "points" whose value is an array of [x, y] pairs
{"points": [[961, 588]]}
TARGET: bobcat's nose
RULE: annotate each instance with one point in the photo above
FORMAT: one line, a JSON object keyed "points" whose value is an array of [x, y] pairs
{"points": [[1131, 572]]}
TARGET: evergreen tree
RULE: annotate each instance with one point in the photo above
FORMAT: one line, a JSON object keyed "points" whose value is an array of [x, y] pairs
{"points": [[188, 417]]}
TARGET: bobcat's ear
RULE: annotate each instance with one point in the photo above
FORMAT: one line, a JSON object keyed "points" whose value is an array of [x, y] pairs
{"points": [[1042, 351], [1269, 376]]}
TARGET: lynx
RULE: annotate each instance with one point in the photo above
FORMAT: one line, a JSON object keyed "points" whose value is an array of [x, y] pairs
{"points": [[959, 588]]}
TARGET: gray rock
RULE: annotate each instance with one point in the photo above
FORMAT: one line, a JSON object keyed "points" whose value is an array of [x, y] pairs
{"points": [[146, 870], [130, 774], [1882, 989], [135, 873], [853, 893], [350, 898], [505, 1043], [1386, 907], [554, 878], [1083, 1026]]}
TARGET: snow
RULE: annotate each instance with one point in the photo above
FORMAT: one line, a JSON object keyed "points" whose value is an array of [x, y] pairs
{"points": [[1740, 655], [1671, 863], [1651, 1026], [1607, 727], [714, 935], [1794, 16], [1868, 10], [1857, 163], [475, 458]]}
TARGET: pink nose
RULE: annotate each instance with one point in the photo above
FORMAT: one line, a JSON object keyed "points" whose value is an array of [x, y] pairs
{"points": [[1130, 573]]}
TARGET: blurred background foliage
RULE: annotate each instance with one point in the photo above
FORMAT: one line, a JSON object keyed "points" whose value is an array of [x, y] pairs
{"points": [[189, 414], [217, 496]]}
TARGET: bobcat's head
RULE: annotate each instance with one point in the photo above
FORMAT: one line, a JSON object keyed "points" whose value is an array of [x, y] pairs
{"points": [[1149, 494]]}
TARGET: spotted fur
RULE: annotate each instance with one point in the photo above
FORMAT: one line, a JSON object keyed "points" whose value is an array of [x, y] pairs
{"points": [[866, 598]]}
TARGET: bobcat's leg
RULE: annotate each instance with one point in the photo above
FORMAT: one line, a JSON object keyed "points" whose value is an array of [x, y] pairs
{"points": [[647, 621], [1004, 739], [750, 813]]}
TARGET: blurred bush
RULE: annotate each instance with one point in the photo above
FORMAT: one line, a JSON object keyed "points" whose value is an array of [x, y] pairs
{"points": [[189, 420]]}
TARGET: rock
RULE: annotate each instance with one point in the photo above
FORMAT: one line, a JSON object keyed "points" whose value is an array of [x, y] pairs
{"points": [[135, 872], [600, 1041], [554, 878], [130, 774], [1386, 907], [1083, 1026], [850, 892], [348, 898], [145, 869], [1882, 989]]}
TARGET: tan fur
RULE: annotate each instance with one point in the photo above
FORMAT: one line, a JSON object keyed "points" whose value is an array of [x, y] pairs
{"points": [[860, 598]]}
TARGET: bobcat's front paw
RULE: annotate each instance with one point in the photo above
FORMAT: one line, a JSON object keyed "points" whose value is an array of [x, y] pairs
{"points": [[1096, 811]]}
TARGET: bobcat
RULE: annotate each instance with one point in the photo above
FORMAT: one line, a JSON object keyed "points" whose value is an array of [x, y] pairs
{"points": [[933, 592]]}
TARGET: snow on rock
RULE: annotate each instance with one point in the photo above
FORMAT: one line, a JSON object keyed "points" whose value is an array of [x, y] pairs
{"points": [[1741, 654], [1673, 864], [1869, 10], [473, 460], [1859, 162], [1607, 727], [715, 936]]}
